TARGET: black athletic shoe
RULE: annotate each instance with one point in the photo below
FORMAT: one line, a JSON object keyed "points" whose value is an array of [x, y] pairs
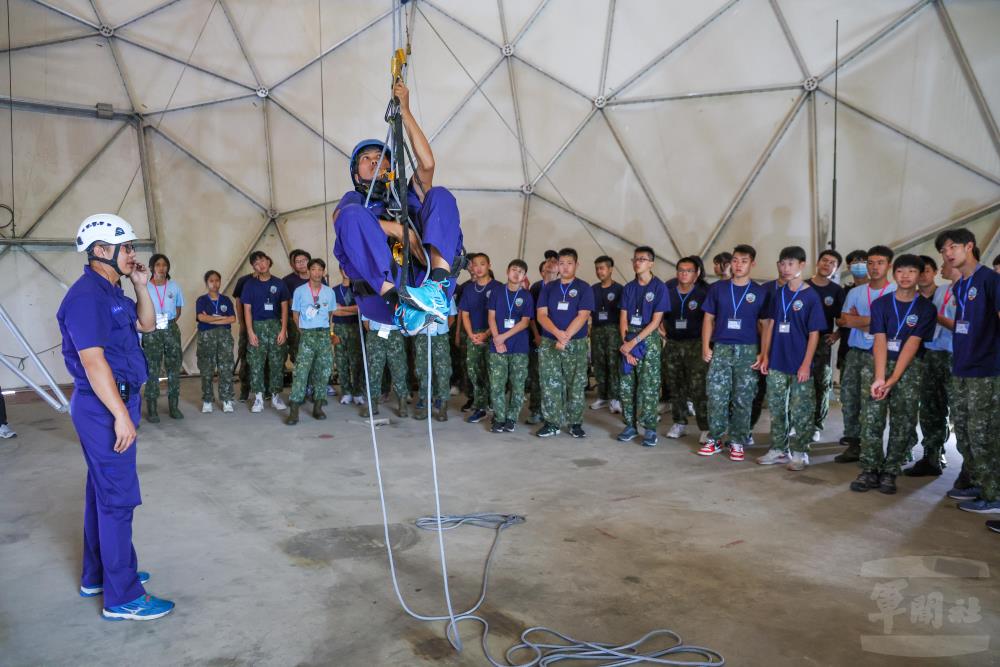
{"points": [[994, 526], [850, 455], [865, 481], [547, 430], [577, 431], [923, 468], [496, 427], [509, 426], [887, 483], [467, 406], [476, 417]]}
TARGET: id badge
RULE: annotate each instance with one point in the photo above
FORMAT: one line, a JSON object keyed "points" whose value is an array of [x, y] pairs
{"points": [[734, 324], [784, 327], [383, 333], [508, 324], [681, 324], [268, 306], [636, 320], [162, 321], [961, 326], [562, 305], [894, 345], [311, 312], [602, 316], [868, 336]]}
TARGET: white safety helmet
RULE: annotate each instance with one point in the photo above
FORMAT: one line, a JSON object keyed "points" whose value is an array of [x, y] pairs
{"points": [[106, 228]]}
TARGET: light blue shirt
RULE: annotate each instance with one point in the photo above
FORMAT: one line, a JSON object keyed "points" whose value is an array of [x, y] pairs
{"points": [[171, 295], [314, 313], [942, 335], [860, 298], [378, 326]]}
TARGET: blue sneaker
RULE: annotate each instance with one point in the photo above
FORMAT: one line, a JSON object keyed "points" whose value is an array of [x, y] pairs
{"points": [[971, 493], [650, 439], [410, 320], [430, 297], [143, 608], [981, 506], [91, 591], [628, 434], [476, 417]]}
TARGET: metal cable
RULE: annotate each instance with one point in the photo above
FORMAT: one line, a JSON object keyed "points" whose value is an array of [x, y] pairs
{"points": [[10, 89]]}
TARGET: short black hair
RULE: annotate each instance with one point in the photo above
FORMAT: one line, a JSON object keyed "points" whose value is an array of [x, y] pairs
{"points": [[551, 254], [315, 262], [210, 273], [723, 258], [907, 261], [156, 258], [258, 254], [961, 236], [519, 263], [605, 259], [646, 249], [996, 261], [792, 252], [541, 266], [857, 256], [881, 251], [929, 261], [569, 252], [474, 255], [298, 252], [745, 249], [830, 252]]}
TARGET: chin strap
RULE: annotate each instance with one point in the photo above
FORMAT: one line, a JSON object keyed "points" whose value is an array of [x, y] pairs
{"points": [[113, 262]]}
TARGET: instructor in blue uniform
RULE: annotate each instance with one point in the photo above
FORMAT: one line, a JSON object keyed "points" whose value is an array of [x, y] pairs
{"points": [[99, 327]]}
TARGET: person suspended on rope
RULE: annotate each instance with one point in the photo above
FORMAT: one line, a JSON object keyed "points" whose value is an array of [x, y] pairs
{"points": [[369, 239]]}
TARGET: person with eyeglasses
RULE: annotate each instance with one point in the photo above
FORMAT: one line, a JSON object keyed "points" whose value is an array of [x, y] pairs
{"points": [[162, 346], [100, 344]]}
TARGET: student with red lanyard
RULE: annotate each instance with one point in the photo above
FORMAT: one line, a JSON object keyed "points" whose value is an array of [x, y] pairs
{"points": [[163, 344]]}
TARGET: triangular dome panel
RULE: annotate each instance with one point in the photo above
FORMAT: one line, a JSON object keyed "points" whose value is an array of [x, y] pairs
{"points": [[550, 45]]}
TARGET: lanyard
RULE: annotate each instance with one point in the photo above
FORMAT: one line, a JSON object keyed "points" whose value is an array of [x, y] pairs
{"points": [[683, 299], [961, 298], [947, 297], [163, 298], [315, 295], [732, 293], [899, 322], [882, 291], [510, 303], [215, 304], [565, 291], [784, 307]]}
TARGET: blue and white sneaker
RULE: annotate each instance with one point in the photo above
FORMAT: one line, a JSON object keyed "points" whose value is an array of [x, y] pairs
{"points": [[431, 297], [410, 320], [628, 434], [650, 439], [971, 493], [91, 591], [143, 608], [981, 506]]}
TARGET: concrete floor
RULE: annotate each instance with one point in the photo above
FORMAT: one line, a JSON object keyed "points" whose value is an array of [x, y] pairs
{"points": [[269, 540]]}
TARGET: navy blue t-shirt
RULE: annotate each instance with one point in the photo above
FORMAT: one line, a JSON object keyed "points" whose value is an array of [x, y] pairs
{"points": [[795, 315], [641, 302], [736, 326], [977, 301], [578, 297], [507, 305], [475, 301], [264, 298], [832, 296], [683, 321], [240, 284], [223, 307], [606, 304], [345, 297], [898, 320]]}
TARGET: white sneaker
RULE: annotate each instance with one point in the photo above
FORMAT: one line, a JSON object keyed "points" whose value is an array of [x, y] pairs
{"points": [[703, 437], [750, 442], [773, 457], [346, 399], [6, 432], [677, 431], [616, 406], [206, 408], [791, 432], [227, 406], [453, 391], [359, 400], [258, 403], [817, 436], [598, 404], [799, 461], [277, 403]]}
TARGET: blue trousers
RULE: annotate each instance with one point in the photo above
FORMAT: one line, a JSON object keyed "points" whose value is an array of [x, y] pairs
{"points": [[362, 247], [111, 497]]}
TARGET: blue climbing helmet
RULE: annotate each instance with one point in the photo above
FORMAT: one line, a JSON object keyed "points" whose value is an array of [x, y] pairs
{"points": [[361, 146]]}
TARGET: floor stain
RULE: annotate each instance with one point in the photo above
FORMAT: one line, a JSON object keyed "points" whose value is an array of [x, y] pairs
{"points": [[809, 479], [588, 463], [632, 579], [318, 547], [11, 538]]}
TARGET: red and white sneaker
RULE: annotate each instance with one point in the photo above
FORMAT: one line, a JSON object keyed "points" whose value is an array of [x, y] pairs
{"points": [[735, 452], [710, 448]]}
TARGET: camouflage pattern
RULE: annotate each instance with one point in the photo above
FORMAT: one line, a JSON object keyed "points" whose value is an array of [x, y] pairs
{"points": [[852, 391], [934, 403], [242, 368], [901, 405], [731, 385], [313, 365], [503, 369], [267, 351], [534, 384], [478, 373], [975, 411], [757, 406], [640, 389], [384, 352], [822, 375], [686, 372], [162, 348], [606, 360], [792, 405], [562, 378], [347, 359], [459, 373], [293, 337], [215, 353], [440, 366]]}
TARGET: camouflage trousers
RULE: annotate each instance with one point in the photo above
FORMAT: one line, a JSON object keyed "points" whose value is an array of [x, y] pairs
{"points": [[934, 403], [267, 351], [215, 353], [313, 364], [822, 378], [606, 358], [730, 385], [347, 358], [162, 347], [459, 374], [384, 352], [479, 377], [975, 411], [852, 391], [440, 366], [562, 378], [686, 372], [792, 405], [901, 405], [507, 369], [640, 389], [534, 384], [292, 344], [757, 406]]}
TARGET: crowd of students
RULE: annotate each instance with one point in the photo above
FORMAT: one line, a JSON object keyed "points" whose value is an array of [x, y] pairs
{"points": [[911, 352]]}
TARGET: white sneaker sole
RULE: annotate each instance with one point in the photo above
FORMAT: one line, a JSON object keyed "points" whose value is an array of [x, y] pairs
{"points": [[776, 462], [119, 616], [713, 453]]}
